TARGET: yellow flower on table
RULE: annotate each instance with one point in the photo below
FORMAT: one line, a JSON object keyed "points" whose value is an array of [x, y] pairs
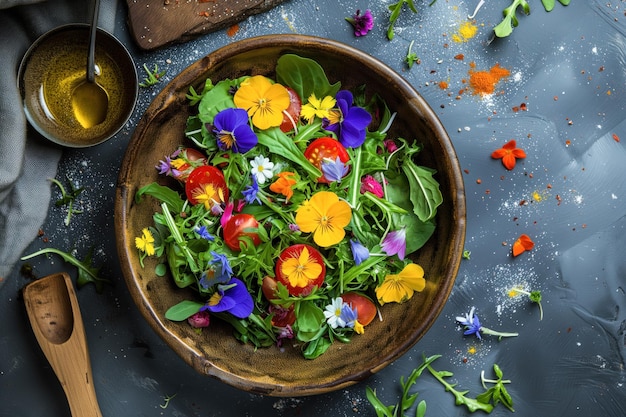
{"points": [[397, 288], [263, 100], [324, 215]]}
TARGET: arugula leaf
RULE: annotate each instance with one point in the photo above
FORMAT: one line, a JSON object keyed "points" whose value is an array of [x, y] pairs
{"points": [[549, 4], [305, 76], [424, 190], [163, 193], [505, 28]]}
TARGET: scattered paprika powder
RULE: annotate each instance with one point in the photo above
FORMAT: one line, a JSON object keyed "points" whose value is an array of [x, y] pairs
{"points": [[484, 82]]}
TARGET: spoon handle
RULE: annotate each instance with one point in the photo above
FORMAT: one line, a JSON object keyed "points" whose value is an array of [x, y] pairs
{"points": [[55, 317], [91, 65]]}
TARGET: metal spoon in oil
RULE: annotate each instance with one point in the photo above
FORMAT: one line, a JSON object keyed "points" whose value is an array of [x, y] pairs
{"points": [[90, 101]]}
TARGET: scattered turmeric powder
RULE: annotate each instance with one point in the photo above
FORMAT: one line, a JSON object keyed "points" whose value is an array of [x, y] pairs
{"points": [[443, 85], [484, 82], [467, 31]]}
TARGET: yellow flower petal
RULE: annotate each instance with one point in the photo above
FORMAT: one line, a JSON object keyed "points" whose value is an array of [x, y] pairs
{"points": [[301, 270], [398, 288], [325, 216], [263, 100]]}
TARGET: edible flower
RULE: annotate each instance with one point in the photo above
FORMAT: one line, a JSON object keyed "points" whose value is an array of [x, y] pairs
{"points": [[233, 132], [334, 170], [395, 243], [333, 312], [369, 183], [317, 108], [473, 326], [145, 242], [522, 244], [284, 184], [251, 192], [348, 122], [262, 168], [219, 271], [324, 215], [509, 153], [204, 233], [232, 298], [302, 269], [165, 167], [362, 23], [200, 319], [263, 100], [398, 288], [359, 252]]}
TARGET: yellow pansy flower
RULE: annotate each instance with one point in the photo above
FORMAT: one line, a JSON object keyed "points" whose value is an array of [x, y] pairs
{"points": [[302, 270], [145, 242], [317, 108], [324, 215], [397, 288], [263, 100]]}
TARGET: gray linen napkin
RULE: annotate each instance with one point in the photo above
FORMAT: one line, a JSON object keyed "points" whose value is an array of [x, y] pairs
{"points": [[27, 161]]}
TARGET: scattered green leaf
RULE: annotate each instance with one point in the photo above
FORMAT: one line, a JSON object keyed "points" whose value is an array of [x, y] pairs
{"points": [[496, 393], [411, 57], [68, 198], [154, 76]]}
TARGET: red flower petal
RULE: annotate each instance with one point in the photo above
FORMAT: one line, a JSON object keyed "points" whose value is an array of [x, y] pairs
{"points": [[522, 244]]}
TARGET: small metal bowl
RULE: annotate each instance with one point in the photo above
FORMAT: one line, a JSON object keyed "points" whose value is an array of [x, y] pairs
{"points": [[55, 64]]}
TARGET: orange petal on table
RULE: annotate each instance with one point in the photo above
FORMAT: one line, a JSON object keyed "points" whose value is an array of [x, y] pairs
{"points": [[522, 244], [509, 153]]}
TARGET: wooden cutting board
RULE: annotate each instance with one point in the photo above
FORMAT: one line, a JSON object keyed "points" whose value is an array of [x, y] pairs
{"points": [[156, 23]]}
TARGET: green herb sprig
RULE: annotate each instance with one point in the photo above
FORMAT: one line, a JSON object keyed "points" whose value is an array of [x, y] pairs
{"points": [[534, 296], [154, 76], [68, 198], [87, 273], [396, 9], [496, 393], [505, 27], [411, 57]]}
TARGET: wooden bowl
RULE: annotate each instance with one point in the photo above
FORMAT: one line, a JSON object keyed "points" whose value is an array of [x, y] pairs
{"points": [[216, 352]]}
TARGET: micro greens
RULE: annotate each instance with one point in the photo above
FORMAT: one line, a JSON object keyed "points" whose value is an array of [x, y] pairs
{"points": [[396, 9], [167, 400], [466, 254], [534, 296], [411, 57], [86, 272], [154, 76], [483, 402], [68, 198], [497, 393], [505, 27]]}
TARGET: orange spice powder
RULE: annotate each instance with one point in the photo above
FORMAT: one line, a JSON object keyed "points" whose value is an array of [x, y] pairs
{"points": [[484, 82]]}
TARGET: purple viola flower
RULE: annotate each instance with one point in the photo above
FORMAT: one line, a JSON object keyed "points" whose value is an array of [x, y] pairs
{"points": [[233, 131], [334, 170], [395, 243], [348, 122], [165, 167], [359, 252], [232, 298], [251, 192], [362, 23]]}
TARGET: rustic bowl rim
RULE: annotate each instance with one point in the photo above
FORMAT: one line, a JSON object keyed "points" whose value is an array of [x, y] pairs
{"points": [[125, 198]]}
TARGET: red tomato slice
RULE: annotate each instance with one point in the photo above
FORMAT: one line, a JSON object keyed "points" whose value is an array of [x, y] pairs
{"points": [[239, 226], [206, 185], [295, 105], [292, 254], [193, 158], [325, 148], [365, 308]]}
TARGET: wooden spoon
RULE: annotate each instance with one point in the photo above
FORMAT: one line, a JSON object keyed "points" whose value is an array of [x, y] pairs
{"points": [[54, 315]]}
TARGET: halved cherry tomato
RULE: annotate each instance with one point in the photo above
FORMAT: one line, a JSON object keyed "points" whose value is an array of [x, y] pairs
{"points": [[187, 160], [365, 308], [295, 105], [238, 226], [325, 148], [304, 265], [206, 185]]}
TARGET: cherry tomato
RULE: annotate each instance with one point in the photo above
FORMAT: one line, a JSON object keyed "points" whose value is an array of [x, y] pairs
{"points": [[192, 158], [325, 148], [295, 104], [206, 185], [281, 316], [302, 283], [365, 308], [238, 226]]}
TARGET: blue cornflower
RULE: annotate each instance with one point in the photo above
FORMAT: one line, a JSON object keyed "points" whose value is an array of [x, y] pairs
{"points": [[348, 315], [359, 252], [219, 271], [232, 129], [473, 326], [232, 298], [204, 233], [395, 243], [348, 122], [334, 170], [251, 192]]}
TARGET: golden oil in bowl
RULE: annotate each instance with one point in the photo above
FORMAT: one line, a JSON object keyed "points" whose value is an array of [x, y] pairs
{"points": [[55, 65]]}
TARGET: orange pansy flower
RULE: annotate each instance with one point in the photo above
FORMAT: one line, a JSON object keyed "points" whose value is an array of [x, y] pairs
{"points": [[522, 244], [283, 185], [509, 153]]}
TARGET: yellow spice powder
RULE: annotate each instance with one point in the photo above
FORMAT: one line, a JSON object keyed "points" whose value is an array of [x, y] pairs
{"points": [[466, 31]]}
